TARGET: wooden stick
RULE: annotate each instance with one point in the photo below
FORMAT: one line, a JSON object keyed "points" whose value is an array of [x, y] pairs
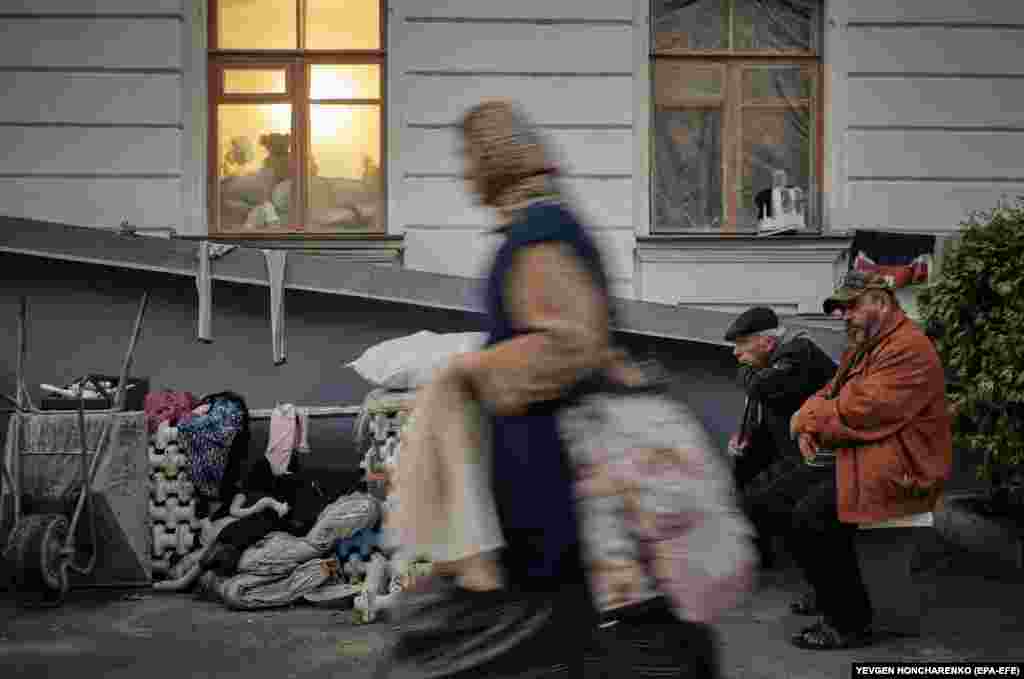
{"points": [[122, 385], [13, 402]]}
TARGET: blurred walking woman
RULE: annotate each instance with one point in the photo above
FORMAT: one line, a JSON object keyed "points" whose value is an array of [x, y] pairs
{"points": [[547, 305]]}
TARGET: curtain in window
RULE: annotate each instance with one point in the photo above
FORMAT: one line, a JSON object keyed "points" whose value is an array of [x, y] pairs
{"points": [[688, 158], [765, 110], [756, 24]]}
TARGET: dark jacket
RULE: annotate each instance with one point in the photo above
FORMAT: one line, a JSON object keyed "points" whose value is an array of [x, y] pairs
{"points": [[797, 369]]}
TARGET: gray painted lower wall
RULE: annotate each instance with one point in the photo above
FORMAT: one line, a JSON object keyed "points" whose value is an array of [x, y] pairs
{"points": [[81, 317]]}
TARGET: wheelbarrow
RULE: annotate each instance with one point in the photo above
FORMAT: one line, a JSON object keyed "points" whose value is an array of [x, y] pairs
{"points": [[42, 548]]}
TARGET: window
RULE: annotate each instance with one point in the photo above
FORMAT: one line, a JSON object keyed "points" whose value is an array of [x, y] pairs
{"points": [[296, 116], [736, 93]]}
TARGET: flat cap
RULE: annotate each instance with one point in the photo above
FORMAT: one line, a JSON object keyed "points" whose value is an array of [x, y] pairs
{"points": [[750, 321]]}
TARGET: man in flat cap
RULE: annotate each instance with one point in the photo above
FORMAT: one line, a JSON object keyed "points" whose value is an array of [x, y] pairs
{"points": [[884, 415], [779, 370]]}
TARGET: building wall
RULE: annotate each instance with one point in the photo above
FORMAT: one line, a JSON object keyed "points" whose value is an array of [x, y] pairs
{"points": [[81, 316], [104, 120], [568, 62], [91, 122], [928, 111]]}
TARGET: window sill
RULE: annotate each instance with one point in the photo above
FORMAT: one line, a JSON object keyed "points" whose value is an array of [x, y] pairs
{"points": [[372, 248], [742, 236], [742, 247], [733, 271]]}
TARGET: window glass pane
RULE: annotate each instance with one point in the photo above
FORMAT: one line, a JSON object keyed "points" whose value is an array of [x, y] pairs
{"points": [[355, 81], [257, 25], [254, 156], [775, 24], [255, 81], [690, 24], [773, 140], [777, 82], [346, 187], [687, 168], [343, 24], [677, 83]]}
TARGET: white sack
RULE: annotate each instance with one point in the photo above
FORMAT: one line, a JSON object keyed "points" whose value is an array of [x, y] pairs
{"points": [[410, 362]]}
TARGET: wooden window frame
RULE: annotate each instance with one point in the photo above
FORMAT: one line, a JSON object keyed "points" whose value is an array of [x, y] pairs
{"points": [[731, 104], [297, 64]]}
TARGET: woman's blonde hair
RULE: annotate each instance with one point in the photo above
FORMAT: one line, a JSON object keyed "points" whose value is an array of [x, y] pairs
{"points": [[512, 157]]}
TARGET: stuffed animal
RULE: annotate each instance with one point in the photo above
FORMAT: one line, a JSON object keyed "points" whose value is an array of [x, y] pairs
{"points": [[277, 160]]}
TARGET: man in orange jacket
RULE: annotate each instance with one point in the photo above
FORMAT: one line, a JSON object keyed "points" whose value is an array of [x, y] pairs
{"points": [[885, 418]]}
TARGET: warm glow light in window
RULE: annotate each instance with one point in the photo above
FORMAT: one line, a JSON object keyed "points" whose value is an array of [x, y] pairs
{"points": [[278, 117], [343, 137], [342, 24], [344, 81], [255, 81], [245, 124], [298, 137], [257, 25], [327, 122]]}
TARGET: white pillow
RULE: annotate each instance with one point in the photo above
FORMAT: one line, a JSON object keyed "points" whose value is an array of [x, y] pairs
{"points": [[410, 362]]}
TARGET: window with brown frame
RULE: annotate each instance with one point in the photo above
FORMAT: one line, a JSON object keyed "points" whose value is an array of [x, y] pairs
{"points": [[736, 99], [296, 122]]}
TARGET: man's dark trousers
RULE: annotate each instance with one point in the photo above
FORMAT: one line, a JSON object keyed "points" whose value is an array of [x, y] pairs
{"points": [[799, 502]]}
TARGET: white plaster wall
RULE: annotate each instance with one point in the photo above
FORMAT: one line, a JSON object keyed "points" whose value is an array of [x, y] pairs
{"points": [[930, 119], [569, 63], [722, 275], [91, 120], [103, 119]]}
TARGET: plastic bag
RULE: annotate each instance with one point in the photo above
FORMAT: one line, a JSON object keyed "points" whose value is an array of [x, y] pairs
{"points": [[410, 362], [647, 475]]}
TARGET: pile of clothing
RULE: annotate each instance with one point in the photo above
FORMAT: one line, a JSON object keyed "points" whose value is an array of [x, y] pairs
{"points": [[268, 534], [281, 569]]}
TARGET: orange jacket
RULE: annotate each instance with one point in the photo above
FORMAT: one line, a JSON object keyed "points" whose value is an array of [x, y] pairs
{"points": [[889, 426]]}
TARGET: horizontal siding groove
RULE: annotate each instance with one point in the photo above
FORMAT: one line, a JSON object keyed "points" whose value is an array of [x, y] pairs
{"points": [[90, 17], [952, 76], [933, 180], [91, 175], [954, 25], [529, 21], [150, 126], [542, 126], [974, 129], [485, 229], [518, 74], [568, 175], [91, 69]]}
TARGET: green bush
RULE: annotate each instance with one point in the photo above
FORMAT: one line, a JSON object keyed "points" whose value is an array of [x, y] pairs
{"points": [[978, 302]]}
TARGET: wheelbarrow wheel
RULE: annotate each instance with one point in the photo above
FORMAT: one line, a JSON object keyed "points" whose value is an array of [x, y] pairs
{"points": [[34, 552]]}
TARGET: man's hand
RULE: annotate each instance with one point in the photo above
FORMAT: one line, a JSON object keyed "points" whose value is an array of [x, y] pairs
{"points": [[808, 446]]}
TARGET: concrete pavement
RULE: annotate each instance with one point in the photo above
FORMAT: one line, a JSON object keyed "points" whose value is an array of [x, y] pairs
{"points": [[144, 635]]}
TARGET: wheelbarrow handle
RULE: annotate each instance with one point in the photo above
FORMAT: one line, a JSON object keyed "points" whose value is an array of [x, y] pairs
{"points": [[122, 391], [83, 495]]}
